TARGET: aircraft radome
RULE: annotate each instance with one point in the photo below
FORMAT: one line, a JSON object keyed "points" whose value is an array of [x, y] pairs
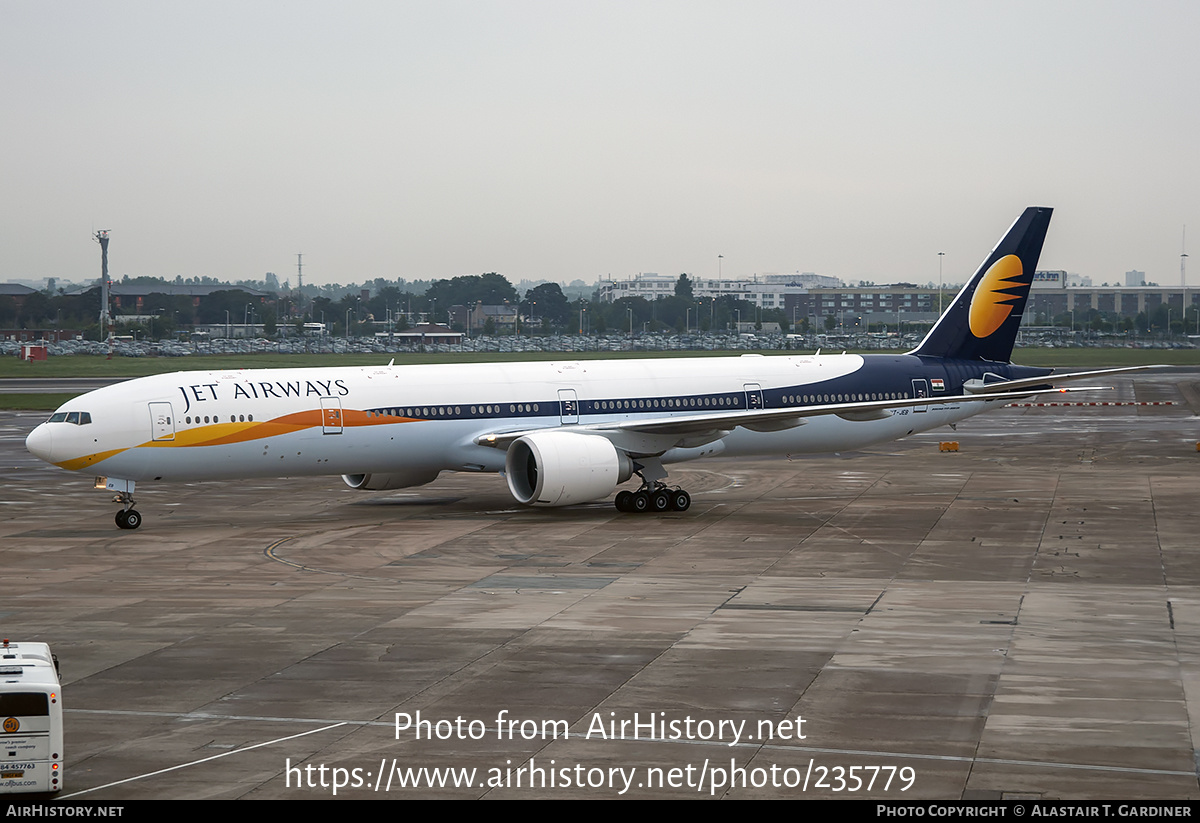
{"points": [[560, 432]]}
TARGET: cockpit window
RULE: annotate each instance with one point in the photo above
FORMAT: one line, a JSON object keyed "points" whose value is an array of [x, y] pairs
{"points": [[78, 418]]}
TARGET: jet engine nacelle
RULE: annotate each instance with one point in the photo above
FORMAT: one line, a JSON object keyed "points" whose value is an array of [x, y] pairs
{"points": [[556, 468], [382, 482]]}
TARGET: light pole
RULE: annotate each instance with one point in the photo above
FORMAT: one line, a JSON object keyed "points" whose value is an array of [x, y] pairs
{"points": [[941, 254], [630, 310]]}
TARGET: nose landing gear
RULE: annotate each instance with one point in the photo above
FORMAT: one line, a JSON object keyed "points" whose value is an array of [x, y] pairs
{"points": [[128, 517]]}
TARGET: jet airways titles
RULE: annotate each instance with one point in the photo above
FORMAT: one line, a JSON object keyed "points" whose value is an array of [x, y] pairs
{"points": [[203, 392]]}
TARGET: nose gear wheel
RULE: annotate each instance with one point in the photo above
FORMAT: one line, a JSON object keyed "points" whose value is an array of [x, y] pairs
{"points": [[128, 517]]}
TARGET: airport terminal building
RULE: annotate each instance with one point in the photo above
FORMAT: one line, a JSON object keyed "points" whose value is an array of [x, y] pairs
{"points": [[768, 291], [1053, 295], [816, 297]]}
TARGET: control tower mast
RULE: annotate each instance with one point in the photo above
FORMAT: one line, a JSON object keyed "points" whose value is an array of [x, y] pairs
{"points": [[102, 239]]}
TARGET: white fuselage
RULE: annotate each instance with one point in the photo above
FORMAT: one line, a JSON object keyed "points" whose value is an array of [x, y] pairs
{"points": [[420, 420]]}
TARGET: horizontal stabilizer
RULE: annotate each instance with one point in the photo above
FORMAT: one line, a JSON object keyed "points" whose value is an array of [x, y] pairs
{"points": [[1001, 385]]}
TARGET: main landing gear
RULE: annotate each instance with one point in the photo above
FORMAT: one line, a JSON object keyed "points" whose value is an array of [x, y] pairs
{"points": [[657, 498], [654, 495]]}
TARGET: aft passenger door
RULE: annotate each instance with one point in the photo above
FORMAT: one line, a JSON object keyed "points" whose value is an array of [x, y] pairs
{"points": [[920, 389]]}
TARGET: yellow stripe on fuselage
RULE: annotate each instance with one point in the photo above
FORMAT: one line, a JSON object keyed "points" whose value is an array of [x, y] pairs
{"points": [[79, 463]]}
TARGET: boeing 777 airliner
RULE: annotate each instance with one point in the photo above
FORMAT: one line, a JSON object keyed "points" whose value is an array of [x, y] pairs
{"points": [[560, 432]]}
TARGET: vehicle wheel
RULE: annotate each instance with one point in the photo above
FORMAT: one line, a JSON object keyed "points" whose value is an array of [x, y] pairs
{"points": [[661, 501], [622, 502], [681, 501], [639, 502], [132, 519], [120, 518]]}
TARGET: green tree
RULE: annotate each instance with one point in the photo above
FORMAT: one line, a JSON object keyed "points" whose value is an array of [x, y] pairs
{"points": [[213, 307], [178, 307], [490, 289], [36, 309], [387, 299], [673, 311], [618, 313], [683, 287], [551, 303]]}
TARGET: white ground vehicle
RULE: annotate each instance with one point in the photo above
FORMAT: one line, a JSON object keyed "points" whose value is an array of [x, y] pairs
{"points": [[31, 737]]}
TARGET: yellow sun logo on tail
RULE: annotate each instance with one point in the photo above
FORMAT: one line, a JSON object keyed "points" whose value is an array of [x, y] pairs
{"points": [[993, 300]]}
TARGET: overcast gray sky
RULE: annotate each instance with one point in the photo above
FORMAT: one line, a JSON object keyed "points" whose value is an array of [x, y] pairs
{"points": [[565, 140]]}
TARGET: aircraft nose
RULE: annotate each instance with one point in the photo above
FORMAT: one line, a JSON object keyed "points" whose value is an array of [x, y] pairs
{"points": [[40, 443]]}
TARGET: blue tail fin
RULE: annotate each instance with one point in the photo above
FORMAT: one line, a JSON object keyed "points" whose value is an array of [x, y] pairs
{"points": [[982, 321]]}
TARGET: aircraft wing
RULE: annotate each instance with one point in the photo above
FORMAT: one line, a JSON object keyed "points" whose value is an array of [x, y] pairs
{"points": [[710, 426]]}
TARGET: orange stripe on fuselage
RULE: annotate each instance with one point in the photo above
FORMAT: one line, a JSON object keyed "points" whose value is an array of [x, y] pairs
{"points": [[223, 434]]}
